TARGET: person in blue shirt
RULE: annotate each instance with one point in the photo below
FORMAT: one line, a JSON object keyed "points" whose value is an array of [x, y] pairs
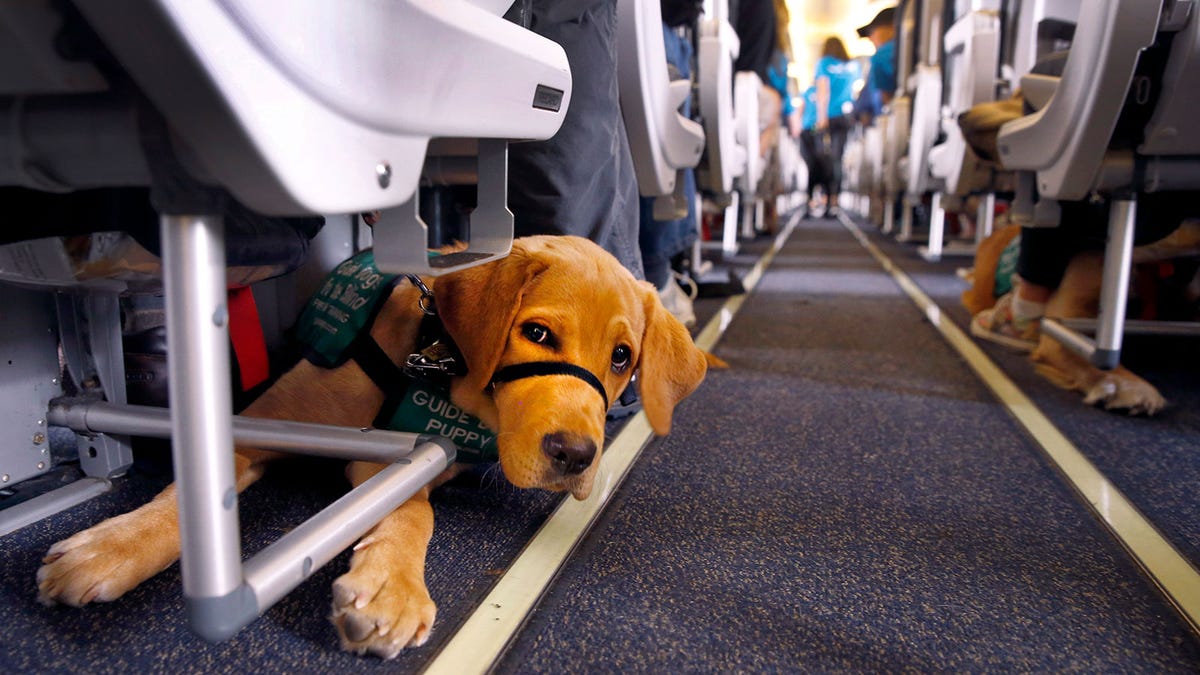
{"points": [[882, 33], [834, 82], [812, 149], [868, 105]]}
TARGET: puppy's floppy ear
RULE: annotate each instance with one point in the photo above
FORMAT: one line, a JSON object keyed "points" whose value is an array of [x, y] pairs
{"points": [[671, 366], [478, 306]]}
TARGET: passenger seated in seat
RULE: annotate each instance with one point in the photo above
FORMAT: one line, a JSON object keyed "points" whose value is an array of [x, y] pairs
{"points": [[1044, 252]]}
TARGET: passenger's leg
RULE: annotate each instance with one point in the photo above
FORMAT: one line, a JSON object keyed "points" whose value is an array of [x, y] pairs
{"points": [[581, 181]]}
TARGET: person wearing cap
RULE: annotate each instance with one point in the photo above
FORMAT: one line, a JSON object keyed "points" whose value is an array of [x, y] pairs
{"points": [[882, 33]]}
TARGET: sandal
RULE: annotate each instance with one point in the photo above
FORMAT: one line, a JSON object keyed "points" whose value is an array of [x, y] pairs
{"points": [[998, 325]]}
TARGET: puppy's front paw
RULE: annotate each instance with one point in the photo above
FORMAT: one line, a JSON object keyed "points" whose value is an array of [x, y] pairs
{"points": [[1124, 391], [102, 563], [378, 607]]}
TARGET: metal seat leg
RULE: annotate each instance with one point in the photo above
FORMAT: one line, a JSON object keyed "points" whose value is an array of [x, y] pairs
{"points": [[1114, 292], [1104, 351], [201, 404]]}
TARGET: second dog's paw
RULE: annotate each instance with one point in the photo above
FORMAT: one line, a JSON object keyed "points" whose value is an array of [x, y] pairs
{"points": [[379, 609], [1125, 392]]}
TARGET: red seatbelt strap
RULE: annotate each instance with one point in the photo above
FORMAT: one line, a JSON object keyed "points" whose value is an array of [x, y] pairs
{"points": [[245, 331]]}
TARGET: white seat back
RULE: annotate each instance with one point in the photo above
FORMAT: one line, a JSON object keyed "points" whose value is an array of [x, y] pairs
{"points": [[971, 62], [1035, 27], [661, 139], [304, 106], [926, 123], [746, 88], [718, 46], [895, 141]]}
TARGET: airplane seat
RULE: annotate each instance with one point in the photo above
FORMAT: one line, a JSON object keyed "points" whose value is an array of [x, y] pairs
{"points": [[853, 168], [202, 121], [972, 62], [919, 53], [1035, 30], [895, 125], [874, 145], [924, 131], [793, 171], [724, 159], [746, 88], [1116, 126], [662, 140], [989, 46], [971, 65], [896, 120]]}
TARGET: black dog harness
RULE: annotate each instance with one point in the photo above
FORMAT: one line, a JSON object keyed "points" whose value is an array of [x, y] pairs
{"points": [[336, 327]]}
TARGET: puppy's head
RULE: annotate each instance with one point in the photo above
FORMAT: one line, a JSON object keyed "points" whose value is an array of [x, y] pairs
{"points": [[562, 300]]}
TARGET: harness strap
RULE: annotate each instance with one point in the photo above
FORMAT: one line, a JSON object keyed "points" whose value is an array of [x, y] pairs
{"points": [[519, 371], [378, 366]]}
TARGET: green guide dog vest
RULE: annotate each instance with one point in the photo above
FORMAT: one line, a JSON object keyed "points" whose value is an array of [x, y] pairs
{"points": [[335, 327]]}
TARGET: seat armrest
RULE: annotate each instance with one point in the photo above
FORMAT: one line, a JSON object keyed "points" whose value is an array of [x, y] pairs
{"points": [[1037, 90], [1065, 141]]}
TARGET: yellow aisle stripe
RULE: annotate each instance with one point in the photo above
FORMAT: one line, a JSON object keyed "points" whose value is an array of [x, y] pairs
{"points": [[1173, 574]]}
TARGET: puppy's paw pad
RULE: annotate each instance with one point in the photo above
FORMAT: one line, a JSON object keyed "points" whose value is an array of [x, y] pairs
{"points": [[381, 614]]}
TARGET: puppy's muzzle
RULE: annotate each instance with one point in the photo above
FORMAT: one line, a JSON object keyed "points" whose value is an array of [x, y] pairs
{"points": [[569, 454]]}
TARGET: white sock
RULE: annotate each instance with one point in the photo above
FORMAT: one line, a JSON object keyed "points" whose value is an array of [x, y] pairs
{"points": [[1025, 311]]}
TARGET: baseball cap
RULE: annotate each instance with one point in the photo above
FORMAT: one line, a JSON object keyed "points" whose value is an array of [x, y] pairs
{"points": [[885, 17]]}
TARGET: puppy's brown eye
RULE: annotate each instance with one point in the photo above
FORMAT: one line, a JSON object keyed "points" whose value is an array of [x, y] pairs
{"points": [[536, 333], [620, 359]]}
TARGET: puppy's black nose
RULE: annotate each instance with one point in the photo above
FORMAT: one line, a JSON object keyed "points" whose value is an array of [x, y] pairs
{"points": [[569, 453]]}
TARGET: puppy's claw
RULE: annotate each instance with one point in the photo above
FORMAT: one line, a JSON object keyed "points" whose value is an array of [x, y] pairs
{"points": [[343, 597], [357, 627]]}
